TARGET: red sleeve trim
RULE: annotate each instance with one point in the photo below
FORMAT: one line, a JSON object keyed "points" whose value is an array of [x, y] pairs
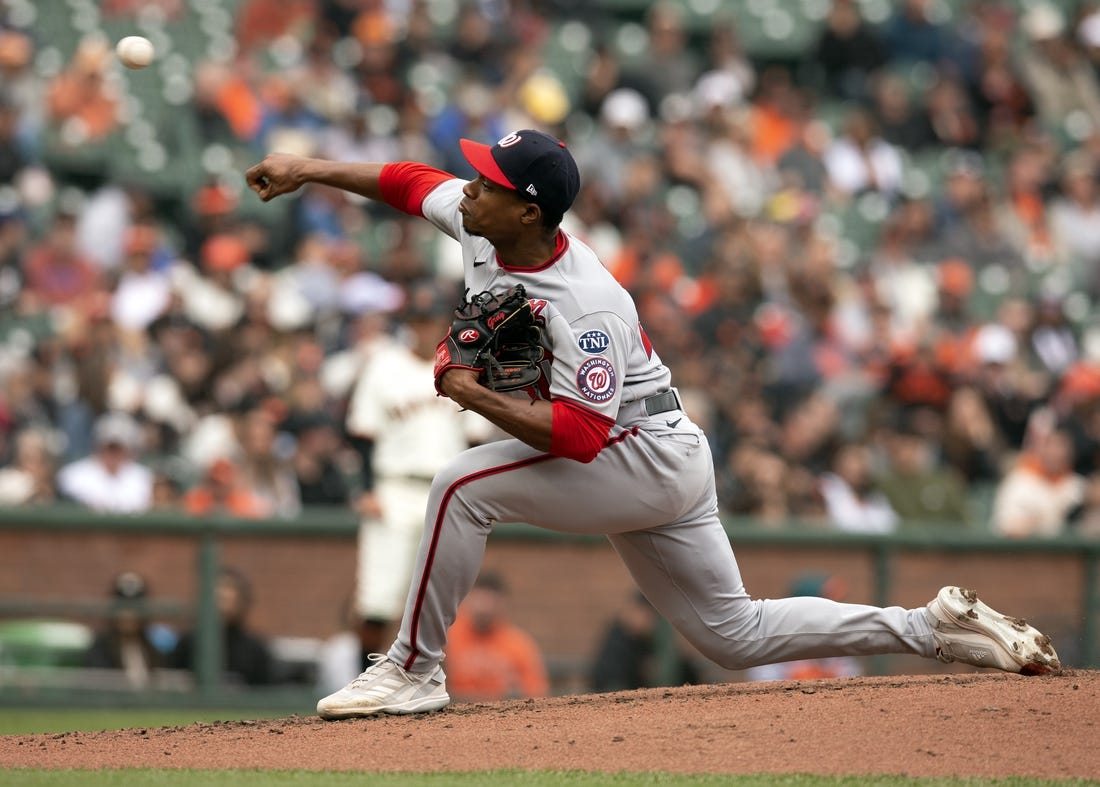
{"points": [[405, 184], [577, 432]]}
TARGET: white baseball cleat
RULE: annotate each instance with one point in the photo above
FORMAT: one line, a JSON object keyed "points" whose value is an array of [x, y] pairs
{"points": [[386, 688], [968, 631]]}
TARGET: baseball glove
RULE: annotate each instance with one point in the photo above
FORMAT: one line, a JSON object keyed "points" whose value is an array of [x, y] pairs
{"points": [[496, 335]]}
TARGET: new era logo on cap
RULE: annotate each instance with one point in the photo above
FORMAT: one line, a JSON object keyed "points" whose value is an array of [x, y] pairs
{"points": [[529, 161]]}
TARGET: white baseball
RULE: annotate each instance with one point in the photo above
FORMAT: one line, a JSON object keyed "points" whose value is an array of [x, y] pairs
{"points": [[135, 51]]}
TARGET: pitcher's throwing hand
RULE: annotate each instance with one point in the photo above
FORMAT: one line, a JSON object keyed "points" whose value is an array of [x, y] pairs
{"points": [[278, 173]]}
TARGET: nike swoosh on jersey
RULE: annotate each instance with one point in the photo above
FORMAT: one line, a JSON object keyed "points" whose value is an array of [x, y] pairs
{"points": [[478, 263], [672, 424]]}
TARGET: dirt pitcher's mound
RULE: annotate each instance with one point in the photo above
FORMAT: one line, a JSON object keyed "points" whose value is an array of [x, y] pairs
{"points": [[955, 725]]}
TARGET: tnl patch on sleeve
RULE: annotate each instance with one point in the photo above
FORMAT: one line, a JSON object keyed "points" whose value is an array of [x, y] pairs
{"points": [[596, 379], [593, 342]]}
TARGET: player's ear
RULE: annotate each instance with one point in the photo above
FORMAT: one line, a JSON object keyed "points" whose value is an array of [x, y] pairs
{"points": [[532, 214]]}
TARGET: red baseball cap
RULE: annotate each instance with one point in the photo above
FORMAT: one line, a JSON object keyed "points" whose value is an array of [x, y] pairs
{"points": [[530, 162]]}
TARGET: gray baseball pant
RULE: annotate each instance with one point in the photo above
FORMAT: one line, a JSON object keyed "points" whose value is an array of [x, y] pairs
{"points": [[651, 491]]}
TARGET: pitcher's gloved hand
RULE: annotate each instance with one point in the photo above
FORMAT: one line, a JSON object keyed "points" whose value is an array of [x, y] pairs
{"points": [[496, 335]]}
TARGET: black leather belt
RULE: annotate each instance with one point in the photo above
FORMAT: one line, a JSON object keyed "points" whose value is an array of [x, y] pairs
{"points": [[662, 402]]}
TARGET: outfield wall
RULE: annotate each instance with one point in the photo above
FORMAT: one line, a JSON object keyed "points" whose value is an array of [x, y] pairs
{"points": [[563, 589]]}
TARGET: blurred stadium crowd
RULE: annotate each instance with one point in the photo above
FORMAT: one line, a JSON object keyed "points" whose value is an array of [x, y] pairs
{"points": [[864, 235]]}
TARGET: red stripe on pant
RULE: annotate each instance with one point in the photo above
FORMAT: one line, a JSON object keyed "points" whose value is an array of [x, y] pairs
{"points": [[437, 529]]}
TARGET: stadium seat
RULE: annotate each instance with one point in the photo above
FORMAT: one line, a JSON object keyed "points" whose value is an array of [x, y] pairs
{"points": [[43, 643]]}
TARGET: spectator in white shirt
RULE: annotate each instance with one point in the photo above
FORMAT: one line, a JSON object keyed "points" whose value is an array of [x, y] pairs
{"points": [[851, 501], [1041, 493], [29, 479], [1075, 214], [110, 479], [859, 160], [143, 293]]}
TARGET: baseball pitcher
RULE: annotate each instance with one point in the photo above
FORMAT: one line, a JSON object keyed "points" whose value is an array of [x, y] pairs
{"points": [[600, 443]]}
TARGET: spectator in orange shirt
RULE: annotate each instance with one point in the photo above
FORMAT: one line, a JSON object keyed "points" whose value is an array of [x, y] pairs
{"points": [[488, 657], [79, 95], [775, 116], [221, 492], [260, 22]]}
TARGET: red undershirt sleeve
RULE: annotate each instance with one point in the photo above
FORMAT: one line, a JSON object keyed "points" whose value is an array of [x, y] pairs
{"points": [[577, 432], [405, 184]]}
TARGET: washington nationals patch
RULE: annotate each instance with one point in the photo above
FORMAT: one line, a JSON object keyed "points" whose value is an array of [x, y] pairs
{"points": [[596, 379]]}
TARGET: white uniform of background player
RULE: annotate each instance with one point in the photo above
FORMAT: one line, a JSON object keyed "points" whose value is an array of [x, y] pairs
{"points": [[414, 433], [616, 454]]}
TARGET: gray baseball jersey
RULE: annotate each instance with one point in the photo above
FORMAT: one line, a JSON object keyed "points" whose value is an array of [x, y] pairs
{"points": [[650, 490], [601, 357]]}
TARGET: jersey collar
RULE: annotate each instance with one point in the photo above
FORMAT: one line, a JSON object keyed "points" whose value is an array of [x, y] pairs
{"points": [[561, 245]]}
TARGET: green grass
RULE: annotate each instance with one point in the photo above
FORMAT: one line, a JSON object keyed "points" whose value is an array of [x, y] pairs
{"points": [[24, 721], [142, 777]]}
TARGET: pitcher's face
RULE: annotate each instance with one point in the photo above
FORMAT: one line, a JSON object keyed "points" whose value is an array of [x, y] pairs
{"points": [[492, 211]]}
